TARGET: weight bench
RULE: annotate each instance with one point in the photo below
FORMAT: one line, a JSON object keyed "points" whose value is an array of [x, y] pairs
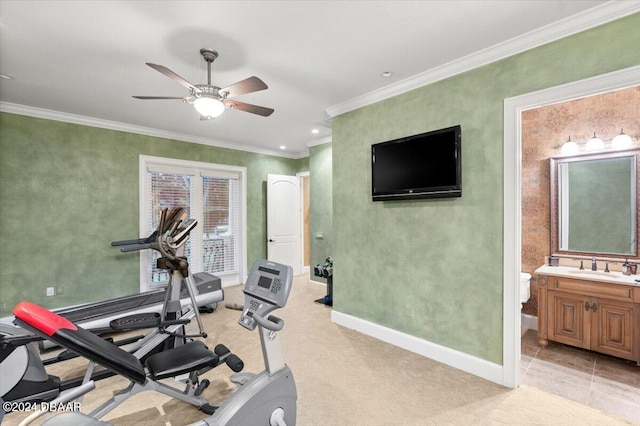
{"points": [[193, 358]]}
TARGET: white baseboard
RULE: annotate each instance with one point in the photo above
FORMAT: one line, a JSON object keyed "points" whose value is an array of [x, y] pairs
{"points": [[453, 358]]}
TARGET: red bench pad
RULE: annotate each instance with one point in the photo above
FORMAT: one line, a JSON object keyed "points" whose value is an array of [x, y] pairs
{"points": [[41, 318]]}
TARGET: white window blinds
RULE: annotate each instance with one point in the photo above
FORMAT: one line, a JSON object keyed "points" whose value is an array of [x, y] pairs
{"points": [[213, 195], [221, 227]]}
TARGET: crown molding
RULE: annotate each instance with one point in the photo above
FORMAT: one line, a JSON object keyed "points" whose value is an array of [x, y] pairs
{"points": [[580, 22], [318, 141], [147, 131]]}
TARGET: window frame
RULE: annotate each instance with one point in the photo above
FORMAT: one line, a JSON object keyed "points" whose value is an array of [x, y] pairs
{"points": [[195, 169]]}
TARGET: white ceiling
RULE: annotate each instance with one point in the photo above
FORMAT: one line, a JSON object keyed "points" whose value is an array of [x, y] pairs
{"points": [[85, 59]]}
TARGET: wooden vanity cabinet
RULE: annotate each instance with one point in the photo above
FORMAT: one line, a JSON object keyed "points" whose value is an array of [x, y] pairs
{"points": [[599, 316]]}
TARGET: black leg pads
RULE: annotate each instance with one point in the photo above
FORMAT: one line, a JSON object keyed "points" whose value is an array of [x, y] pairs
{"points": [[186, 358]]}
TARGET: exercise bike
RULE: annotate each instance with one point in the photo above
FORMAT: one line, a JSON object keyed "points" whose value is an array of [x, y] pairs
{"points": [[269, 397], [266, 398]]}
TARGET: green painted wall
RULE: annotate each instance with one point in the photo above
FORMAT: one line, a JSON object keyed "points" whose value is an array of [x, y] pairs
{"points": [[69, 190], [321, 191], [302, 165], [433, 268]]}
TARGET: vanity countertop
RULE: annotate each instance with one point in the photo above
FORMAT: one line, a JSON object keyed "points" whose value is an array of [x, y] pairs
{"points": [[613, 277]]}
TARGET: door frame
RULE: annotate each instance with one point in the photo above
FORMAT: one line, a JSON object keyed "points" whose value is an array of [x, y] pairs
{"points": [[304, 236], [512, 191]]}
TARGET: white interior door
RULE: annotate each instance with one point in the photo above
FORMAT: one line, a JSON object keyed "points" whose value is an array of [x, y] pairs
{"points": [[284, 233]]}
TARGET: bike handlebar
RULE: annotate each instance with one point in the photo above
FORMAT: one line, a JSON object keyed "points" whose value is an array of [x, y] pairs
{"points": [[172, 232], [272, 323], [135, 247]]}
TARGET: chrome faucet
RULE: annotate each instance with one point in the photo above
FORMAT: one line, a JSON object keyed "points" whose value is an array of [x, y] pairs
{"points": [[594, 265]]}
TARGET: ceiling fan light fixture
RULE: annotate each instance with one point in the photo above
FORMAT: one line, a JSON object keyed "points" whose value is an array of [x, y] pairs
{"points": [[208, 106], [210, 101]]}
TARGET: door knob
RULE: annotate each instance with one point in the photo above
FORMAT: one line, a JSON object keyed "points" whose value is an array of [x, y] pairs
{"points": [[272, 241]]}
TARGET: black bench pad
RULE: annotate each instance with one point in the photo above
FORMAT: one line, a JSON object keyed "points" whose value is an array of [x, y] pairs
{"points": [[76, 339], [182, 359]]}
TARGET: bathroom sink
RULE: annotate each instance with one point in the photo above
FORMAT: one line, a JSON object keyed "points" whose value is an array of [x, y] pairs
{"points": [[613, 277], [590, 272]]}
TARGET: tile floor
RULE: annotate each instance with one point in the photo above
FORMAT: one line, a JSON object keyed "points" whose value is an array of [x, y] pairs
{"points": [[607, 383]]}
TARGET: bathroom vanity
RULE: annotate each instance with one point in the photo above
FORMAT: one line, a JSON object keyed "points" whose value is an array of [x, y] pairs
{"points": [[593, 310], [593, 214]]}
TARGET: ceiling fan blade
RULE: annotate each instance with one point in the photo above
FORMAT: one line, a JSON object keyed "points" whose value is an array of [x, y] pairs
{"points": [[172, 75], [248, 85], [159, 97], [254, 109]]}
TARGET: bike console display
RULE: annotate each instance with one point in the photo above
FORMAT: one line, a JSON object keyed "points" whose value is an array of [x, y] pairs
{"points": [[267, 288]]}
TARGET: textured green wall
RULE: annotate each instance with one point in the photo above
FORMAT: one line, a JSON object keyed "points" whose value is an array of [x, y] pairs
{"points": [[321, 191], [69, 190], [433, 268]]}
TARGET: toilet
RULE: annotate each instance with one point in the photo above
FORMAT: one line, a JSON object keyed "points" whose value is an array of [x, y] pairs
{"points": [[525, 291]]}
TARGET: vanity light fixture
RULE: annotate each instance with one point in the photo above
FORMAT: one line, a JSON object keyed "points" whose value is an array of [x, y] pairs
{"points": [[569, 147], [595, 143], [621, 141]]}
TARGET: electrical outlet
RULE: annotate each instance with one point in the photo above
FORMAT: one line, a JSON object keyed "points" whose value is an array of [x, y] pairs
{"points": [[51, 291], [408, 312]]}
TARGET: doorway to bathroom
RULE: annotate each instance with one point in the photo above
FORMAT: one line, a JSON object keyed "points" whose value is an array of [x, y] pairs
{"points": [[557, 368]]}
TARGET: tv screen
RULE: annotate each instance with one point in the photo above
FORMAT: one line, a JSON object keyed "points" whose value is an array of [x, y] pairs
{"points": [[420, 166]]}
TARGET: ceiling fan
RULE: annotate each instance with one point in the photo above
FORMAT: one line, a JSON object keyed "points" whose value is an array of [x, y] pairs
{"points": [[210, 101]]}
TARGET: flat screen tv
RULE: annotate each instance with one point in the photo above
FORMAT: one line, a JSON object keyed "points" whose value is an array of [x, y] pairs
{"points": [[419, 166]]}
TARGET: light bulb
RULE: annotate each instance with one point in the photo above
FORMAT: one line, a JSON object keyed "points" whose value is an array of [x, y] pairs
{"points": [[569, 147], [622, 140], [595, 143], [208, 106]]}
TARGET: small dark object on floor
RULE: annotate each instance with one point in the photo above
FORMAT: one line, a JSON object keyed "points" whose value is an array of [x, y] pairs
{"points": [[235, 306]]}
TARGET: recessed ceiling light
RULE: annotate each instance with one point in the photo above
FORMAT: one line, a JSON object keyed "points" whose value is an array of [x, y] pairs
{"points": [[283, 147], [6, 77], [386, 74], [315, 131]]}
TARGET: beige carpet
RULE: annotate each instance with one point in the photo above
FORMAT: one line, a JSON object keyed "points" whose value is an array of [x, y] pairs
{"points": [[346, 378]]}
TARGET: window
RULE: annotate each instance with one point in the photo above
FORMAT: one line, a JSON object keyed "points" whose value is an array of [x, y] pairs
{"points": [[212, 194]]}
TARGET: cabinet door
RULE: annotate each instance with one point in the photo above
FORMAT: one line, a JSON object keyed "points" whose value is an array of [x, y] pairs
{"points": [[613, 328], [569, 319]]}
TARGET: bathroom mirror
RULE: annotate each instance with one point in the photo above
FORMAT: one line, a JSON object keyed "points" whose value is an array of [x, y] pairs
{"points": [[594, 204]]}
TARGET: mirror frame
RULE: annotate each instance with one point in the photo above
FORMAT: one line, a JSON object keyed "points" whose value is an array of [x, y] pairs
{"points": [[553, 201]]}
